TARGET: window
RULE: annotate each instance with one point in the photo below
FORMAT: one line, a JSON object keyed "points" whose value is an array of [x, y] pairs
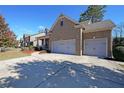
{"points": [[61, 24]]}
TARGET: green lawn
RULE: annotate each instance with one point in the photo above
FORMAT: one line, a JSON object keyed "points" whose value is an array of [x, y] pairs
{"points": [[15, 53], [122, 65]]}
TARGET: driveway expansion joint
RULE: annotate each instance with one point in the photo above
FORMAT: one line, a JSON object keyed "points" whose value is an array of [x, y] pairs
{"points": [[36, 86]]}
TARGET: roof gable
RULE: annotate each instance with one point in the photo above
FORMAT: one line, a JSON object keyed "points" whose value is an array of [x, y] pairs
{"points": [[63, 16]]}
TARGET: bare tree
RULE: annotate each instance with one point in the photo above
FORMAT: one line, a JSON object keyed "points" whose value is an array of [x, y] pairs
{"points": [[116, 32], [119, 29]]}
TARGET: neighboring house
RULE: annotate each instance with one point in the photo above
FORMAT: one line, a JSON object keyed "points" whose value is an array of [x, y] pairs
{"points": [[34, 41], [26, 40], [70, 37], [43, 41], [20, 42]]}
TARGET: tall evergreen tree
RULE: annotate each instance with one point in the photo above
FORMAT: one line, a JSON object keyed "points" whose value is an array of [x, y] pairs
{"points": [[95, 13]]}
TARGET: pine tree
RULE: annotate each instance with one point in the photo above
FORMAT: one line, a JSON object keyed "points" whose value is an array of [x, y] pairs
{"points": [[95, 13]]}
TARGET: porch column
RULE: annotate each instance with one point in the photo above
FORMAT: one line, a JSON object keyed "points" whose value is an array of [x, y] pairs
{"points": [[37, 42], [40, 42], [44, 42]]}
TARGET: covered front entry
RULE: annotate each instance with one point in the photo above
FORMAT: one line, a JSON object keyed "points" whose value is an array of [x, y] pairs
{"points": [[96, 47], [64, 46], [43, 42]]}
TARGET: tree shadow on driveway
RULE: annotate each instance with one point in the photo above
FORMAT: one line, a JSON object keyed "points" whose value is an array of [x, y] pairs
{"points": [[47, 74]]}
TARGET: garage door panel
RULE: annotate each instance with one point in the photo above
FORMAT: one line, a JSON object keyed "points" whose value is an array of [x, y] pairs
{"points": [[96, 47], [64, 46]]}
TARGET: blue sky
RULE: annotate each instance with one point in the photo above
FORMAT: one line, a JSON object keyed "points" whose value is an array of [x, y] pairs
{"points": [[29, 19]]}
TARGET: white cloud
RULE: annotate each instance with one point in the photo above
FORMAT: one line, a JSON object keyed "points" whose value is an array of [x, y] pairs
{"points": [[41, 27]]}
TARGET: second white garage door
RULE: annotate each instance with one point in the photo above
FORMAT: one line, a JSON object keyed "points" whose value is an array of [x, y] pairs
{"points": [[96, 47], [64, 46]]}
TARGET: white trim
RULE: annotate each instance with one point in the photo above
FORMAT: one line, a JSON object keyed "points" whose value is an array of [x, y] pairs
{"points": [[106, 47], [98, 38], [84, 48], [81, 46]]}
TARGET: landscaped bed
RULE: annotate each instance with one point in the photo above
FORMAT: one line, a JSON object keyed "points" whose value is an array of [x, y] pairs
{"points": [[28, 51], [14, 54], [122, 65]]}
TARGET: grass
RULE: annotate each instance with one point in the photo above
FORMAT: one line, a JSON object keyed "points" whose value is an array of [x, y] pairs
{"points": [[15, 53], [122, 65]]}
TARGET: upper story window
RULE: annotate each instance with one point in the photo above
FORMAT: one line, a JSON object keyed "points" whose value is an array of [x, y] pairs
{"points": [[61, 23]]}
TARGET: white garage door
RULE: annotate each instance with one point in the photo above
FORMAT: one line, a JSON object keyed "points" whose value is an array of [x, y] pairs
{"points": [[96, 47], [64, 46]]}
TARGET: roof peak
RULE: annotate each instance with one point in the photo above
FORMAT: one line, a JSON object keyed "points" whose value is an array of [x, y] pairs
{"points": [[61, 15]]}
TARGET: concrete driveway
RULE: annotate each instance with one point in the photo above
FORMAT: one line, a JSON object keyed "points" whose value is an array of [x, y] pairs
{"points": [[59, 70]]}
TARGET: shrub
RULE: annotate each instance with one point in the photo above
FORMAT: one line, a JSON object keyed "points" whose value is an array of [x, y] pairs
{"points": [[31, 47], [22, 48], [2, 49], [118, 53], [38, 48]]}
